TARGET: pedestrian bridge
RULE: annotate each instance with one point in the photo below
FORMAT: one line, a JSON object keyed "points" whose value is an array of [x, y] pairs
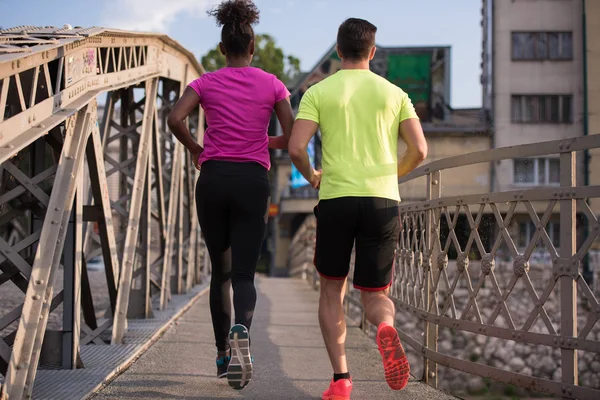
{"points": [[90, 172]]}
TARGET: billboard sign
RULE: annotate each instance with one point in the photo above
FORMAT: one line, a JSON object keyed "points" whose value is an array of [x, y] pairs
{"points": [[423, 74]]}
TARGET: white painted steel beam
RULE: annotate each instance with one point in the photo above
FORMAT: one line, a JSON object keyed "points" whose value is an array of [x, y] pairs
{"points": [[132, 232]]}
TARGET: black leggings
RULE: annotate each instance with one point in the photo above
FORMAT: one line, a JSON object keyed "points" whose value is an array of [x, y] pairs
{"points": [[232, 201]]}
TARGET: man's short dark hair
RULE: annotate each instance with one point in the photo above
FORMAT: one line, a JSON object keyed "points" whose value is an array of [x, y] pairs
{"points": [[356, 38]]}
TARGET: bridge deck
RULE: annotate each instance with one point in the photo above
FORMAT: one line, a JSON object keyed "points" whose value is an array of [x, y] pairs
{"points": [[290, 357]]}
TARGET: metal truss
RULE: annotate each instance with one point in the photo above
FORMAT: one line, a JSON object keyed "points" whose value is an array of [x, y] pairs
{"points": [[450, 295], [75, 185]]}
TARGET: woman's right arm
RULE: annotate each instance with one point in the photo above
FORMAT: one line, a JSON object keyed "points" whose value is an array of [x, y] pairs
{"points": [[176, 121], [285, 115]]}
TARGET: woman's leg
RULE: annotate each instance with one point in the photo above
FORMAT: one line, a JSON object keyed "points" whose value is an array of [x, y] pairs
{"points": [[213, 214], [220, 298], [248, 225]]}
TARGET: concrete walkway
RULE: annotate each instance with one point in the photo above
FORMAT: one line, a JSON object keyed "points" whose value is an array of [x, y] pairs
{"points": [[290, 357]]}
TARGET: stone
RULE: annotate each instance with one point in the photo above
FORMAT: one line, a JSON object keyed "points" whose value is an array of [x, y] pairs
{"points": [[547, 365], [445, 346], [584, 377], [488, 352], [557, 375], [521, 350], [516, 364], [527, 371], [475, 384], [595, 366], [457, 385], [500, 322], [459, 341], [502, 353], [556, 354], [410, 326], [593, 381], [480, 340], [533, 361], [498, 363]]}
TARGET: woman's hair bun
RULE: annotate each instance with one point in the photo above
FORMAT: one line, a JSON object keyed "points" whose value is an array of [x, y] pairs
{"points": [[236, 12]]}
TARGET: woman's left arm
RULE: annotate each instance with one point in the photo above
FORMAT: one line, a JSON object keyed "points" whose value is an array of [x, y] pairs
{"points": [[176, 121]]}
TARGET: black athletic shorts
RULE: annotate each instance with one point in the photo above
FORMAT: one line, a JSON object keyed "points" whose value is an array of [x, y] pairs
{"points": [[369, 223]]}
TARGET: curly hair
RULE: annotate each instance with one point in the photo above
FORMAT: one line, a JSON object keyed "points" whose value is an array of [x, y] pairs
{"points": [[236, 17]]}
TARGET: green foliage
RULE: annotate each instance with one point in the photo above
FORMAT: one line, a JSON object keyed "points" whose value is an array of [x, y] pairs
{"points": [[213, 60], [267, 56], [510, 391]]}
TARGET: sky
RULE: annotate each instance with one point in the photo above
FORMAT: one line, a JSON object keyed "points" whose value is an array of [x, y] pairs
{"points": [[304, 28]]}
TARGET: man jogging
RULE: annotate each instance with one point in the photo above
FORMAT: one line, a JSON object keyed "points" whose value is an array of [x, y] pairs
{"points": [[361, 117]]}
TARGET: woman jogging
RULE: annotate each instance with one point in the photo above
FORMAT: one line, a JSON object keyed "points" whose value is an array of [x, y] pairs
{"points": [[233, 190]]}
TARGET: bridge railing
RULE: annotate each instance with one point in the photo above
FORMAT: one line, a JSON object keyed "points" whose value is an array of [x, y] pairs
{"points": [[97, 206], [475, 298]]}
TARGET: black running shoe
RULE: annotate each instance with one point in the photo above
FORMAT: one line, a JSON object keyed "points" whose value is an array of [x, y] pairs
{"points": [[222, 366], [239, 372]]}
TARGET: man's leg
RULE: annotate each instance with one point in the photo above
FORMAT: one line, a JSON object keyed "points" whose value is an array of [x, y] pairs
{"points": [[373, 272], [333, 322], [379, 308], [336, 227]]}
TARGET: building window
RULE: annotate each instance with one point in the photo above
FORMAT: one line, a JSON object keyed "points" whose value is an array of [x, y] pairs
{"points": [[528, 46], [527, 229], [536, 171], [544, 109]]}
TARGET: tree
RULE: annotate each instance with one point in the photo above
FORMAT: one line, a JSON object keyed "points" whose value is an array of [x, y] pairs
{"points": [[267, 56], [213, 60]]}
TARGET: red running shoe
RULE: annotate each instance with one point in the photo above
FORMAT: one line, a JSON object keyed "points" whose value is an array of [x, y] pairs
{"points": [[339, 390], [395, 363]]}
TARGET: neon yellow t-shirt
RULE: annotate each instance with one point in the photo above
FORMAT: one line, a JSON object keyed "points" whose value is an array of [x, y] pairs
{"points": [[358, 113]]}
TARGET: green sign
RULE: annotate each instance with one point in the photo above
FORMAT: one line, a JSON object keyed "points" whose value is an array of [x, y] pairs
{"points": [[412, 73]]}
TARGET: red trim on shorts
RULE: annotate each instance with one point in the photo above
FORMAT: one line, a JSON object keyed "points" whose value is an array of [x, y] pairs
{"points": [[366, 289]]}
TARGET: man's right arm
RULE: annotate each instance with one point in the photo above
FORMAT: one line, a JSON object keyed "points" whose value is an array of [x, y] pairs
{"points": [[411, 132], [305, 127]]}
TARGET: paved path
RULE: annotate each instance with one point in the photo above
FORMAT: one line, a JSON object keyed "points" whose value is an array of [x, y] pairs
{"points": [[290, 357]]}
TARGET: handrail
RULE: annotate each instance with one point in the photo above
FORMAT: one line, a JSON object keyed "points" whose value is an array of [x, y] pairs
{"points": [[505, 153]]}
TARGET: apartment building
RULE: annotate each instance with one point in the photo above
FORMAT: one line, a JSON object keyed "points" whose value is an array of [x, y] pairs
{"points": [[591, 13], [534, 90], [591, 23]]}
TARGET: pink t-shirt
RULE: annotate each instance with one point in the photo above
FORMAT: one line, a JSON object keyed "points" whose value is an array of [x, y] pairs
{"points": [[238, 104]]}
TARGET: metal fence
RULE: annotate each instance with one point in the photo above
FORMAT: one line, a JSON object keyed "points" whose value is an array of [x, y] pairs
{"points": [[81, 183], [488, 287]]}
